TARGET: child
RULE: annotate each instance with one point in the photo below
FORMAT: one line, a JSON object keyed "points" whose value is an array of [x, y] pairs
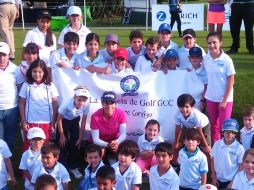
{"points": [[193, 162], [120, 61], [68, 134], [170, 60], [38, 100], [188, 116], [219, 94], [111, 43], [5, 165], [147, 143], [162, 176], [136, 48], [74, 15], [91, 60], [128, 174], [164, 33], [146, 62], [42, 36], [45, 182], [244, 179], [247, 131], [66, 56], [49, 156], [227, 155], [31, 53], [31, 158], [94, 160], [189, 41]]}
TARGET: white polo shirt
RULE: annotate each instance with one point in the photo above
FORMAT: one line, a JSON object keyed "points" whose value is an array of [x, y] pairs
{"points": [[21, 72], [59, 172], [93, 174], [217, 72], [246, 137], [200, 73], [8, 87], [29, 161], [124, 71], [227, 159], [133, 57], [84, 61], [196, 119], [191, 168], [38, 37], [143, 144], [172, 45], [82, 33], [168, 181], [144, 64], [132, 176], [60, 56], [4, 153], [108, 58], [38, 102], [241, 182]]}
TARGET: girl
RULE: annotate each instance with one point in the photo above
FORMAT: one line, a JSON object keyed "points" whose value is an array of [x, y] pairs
{"points": [[31, 53], [38, 100], [147, 143], [42, 36], [74, 15], [220, 74], [91, 60]]}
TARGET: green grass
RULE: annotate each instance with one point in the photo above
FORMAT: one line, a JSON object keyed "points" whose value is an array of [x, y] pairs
{"points": [[243, 88]]}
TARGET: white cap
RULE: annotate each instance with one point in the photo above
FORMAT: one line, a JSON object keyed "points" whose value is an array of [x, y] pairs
{"points": [[35, 132], [74, 10], [207, 187], [4, 48], [82, 92]]}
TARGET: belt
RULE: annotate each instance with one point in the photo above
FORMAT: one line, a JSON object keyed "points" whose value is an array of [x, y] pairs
{"points": [[6, 3]]}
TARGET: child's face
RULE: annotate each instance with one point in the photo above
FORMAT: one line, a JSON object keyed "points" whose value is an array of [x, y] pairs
{"points": [[79, 101], [92, 46], [186, 110], [195, 61], [31, 57], [152, 50], [93, 159], [36, 143], [136, 44], [111, 47], [163, 159], [74, 18], [189, 42], [120, 63], [214, 45], [125, 160], [48, 160], [164, 36], [191, 144], [4, 59], [248, 164], [171, 63], [105, 184], [43, 24], [151, 131], [37, 74], [70, 47], [229, 137], [248, 122]]}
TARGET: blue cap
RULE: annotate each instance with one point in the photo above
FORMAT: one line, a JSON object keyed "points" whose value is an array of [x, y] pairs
{"points": [[171, 53], [195, 52], [230, 125], [165, 26]]}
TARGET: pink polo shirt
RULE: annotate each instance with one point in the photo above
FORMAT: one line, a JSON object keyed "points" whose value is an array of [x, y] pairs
{"points": [[108, 129]]}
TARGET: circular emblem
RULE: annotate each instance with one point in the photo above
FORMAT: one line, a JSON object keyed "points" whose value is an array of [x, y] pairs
{"points": [[161, 16], [130, 84]]}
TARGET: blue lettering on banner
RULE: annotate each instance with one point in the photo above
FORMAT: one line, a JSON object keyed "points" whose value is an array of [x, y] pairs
{"points": [[161, 16], [189, 15]]}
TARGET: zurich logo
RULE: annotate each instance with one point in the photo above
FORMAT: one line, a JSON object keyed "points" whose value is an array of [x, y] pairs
{"points": [[161, 16], [130, 84]]}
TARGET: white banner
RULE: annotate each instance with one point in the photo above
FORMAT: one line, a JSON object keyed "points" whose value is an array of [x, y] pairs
{"points": [[192, 16], [142, 96]]}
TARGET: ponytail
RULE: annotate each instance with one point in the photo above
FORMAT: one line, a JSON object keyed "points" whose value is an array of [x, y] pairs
{"points": [[49, 38]]}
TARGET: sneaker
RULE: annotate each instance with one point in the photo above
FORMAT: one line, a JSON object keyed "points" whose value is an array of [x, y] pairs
{"points": [[76, 173]]}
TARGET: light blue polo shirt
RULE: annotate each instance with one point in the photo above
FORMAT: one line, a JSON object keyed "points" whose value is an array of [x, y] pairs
{"points": [[84, 61]]}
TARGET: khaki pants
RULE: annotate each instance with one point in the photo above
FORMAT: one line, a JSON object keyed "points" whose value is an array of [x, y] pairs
{"points": [[7, 18]]}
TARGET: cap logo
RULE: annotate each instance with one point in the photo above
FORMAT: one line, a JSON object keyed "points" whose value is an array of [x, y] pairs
{"points": [[109, 96]]}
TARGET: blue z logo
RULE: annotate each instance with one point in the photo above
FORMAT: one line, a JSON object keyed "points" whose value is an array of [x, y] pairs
{"points": [[161, 16]]}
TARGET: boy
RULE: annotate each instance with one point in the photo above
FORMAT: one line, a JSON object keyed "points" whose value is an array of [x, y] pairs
{"points": [[227, 155], [128, 174], [193, 162], [94, 160], [247, 131], [31, 158], [136, 48], [146, 62], [49, 156], [170, 61], [120, 61], [45, 182], [162, 176], [111, 43], [66, 56], [69, 134], [189, 41]]}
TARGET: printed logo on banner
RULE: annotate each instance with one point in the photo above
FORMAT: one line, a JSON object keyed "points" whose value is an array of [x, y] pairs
{"points": [[161, 16], [130, 84]]}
